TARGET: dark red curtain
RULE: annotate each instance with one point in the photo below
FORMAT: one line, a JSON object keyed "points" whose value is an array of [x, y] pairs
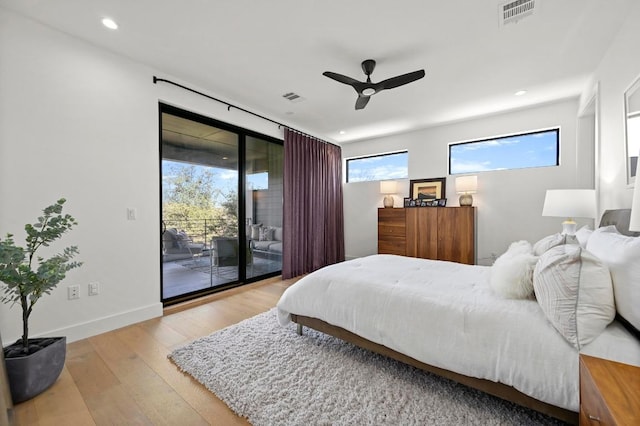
{"points": [[313, 215]]}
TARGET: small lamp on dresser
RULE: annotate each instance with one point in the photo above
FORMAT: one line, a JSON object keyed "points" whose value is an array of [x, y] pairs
{"points": [[388, 187], [465, 186]]}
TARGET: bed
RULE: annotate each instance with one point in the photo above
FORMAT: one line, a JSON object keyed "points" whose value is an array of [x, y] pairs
{"points": [[445, 318]]}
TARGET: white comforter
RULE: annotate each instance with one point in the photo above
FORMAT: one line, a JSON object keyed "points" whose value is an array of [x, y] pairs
{"points": [[443, 314]]}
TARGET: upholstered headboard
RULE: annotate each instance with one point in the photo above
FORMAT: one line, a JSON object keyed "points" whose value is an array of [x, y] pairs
{"points": [[620, 218]]}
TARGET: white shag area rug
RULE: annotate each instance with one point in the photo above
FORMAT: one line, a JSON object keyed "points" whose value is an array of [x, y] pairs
{"points": [[272, 376]]}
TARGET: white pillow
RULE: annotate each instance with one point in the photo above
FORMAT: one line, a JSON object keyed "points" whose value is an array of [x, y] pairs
{"points": [[277, 233], [255, 231], [551, 241], [512, 273], [573, 288], [622, 255], [583, 235]]}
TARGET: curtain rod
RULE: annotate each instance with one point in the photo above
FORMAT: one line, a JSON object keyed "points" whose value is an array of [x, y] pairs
{"points": [[229, 106]]}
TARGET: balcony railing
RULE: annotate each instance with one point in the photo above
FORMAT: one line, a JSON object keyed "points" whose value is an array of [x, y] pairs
{"points": [[202, 230]]}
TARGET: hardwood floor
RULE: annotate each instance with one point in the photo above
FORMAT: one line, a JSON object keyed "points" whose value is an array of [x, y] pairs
{"points": [[124, 377]]}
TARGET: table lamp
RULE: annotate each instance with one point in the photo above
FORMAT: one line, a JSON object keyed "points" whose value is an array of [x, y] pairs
{"points": [[388, 187], [466, 185], [570, 203]]}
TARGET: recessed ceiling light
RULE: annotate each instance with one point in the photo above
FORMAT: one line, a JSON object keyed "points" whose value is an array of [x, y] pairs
{"points": [[520, 92], [342, 132], [109, 23]]}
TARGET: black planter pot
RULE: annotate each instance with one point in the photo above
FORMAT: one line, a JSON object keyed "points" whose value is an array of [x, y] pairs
{"points": [[32, 374]]}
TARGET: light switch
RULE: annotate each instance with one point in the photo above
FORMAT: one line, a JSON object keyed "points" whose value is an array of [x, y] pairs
{"points": [[132, 213]]}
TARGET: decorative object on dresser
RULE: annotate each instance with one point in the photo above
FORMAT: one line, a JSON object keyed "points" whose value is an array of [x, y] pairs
{"points": [[430, 189], [570, 203], [388, 188], [465, 186], [439, 233], [608, 392]]}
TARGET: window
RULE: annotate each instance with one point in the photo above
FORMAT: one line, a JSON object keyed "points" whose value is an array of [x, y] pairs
{"points": [[533, 149], [378, 167]]}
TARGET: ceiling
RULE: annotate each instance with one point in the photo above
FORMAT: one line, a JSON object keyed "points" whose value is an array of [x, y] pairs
{"points": [[251, 53]]}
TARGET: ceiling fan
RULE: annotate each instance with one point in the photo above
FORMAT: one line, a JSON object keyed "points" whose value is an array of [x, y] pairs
{"points": [[367, 89]]}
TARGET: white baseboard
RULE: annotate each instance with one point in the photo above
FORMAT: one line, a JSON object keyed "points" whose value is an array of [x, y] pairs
{"points": [[109, 323]]}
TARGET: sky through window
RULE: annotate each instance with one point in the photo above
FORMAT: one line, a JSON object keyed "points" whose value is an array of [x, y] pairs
{"points": [[536, 149]]}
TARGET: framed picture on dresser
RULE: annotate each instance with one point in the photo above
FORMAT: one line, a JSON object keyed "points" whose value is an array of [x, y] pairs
{"points": [[427, 189]]}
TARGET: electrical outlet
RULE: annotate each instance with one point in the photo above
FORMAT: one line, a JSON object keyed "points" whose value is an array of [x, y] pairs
{"points": [[73, 292], [94, 288]]}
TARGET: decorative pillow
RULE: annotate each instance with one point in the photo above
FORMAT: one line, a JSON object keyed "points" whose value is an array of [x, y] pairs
{"points": [[551, 241], [573, 288], [266, 234], [512, 273], [622, 255], [255, 231], [277, 233], [582, 235]]}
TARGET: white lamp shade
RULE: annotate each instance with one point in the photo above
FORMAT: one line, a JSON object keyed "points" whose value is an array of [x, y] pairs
{"points": [[388, 187], [570, 203], [466, 184], [634, 223]]}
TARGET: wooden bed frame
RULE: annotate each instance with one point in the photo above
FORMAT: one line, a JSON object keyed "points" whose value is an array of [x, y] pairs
{"points": [[493, 388]]}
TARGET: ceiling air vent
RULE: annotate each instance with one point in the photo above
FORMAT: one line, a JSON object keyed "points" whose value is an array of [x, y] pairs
{"points": [[513, 11], [293, 97]]}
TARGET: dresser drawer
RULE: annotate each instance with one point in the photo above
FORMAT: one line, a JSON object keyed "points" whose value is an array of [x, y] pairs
{"points": [[392, 247], [391, 231]]}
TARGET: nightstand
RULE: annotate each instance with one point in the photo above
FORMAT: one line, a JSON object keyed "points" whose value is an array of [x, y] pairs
{"points": [[609, 392]]}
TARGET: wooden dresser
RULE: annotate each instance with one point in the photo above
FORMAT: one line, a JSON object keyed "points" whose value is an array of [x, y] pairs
{"points": [[440, 233], [609, 392]]}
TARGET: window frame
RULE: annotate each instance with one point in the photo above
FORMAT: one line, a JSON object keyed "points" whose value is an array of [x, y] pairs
{"points": [[555, 129], [362, 157]]}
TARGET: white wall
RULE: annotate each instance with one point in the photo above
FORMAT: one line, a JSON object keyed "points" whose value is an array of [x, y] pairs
{"points": [[509, 202], [79, 122], [617, 70]]}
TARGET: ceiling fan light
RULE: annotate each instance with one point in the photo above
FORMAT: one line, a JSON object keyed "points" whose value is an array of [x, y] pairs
{"points": [[109, 23], [368, 91]]}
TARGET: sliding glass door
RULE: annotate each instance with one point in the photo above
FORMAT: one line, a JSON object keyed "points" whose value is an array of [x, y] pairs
{"points": [[210, 175], [264, 171]]}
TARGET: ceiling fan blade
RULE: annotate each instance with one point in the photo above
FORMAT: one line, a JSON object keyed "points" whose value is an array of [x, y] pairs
{"points": [[340, 78], [400, 80], [362, 101]]}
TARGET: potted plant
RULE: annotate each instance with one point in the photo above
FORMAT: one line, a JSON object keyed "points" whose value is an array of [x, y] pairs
{"points": [[33, 365]]}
